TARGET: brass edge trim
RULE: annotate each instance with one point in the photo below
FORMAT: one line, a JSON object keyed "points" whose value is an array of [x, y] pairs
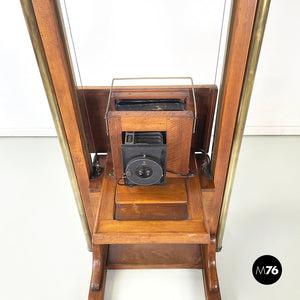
{"points": [[252, 62], [36, 41]]}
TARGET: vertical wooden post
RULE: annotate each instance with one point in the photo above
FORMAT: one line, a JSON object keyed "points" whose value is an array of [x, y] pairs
{"points": [[240, 31], [252, 61], [47, 36]]}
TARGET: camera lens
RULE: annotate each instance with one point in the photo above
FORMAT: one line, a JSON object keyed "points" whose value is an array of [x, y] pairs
{"points": [[143, 172]]}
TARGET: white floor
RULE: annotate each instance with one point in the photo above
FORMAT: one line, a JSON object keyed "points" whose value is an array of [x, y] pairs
{"points": [[43, 252]]}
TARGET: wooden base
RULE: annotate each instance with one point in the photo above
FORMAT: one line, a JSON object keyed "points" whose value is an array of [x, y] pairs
{"points": [[148, 244], [155, 256]]}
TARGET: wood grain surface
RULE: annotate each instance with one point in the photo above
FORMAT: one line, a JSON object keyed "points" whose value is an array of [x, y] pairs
{"points": [[59, 68], [173, 192], [177, 124], [156, 202], [158, 256], [242, 26], [93, 101], [156, 232]]}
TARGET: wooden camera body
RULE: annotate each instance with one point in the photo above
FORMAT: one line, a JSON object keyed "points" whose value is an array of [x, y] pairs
{"points": [[177, 126], [170, 201]]}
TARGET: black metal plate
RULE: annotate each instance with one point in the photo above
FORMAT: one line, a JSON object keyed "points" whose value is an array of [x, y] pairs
{"points": [[157, 153], [150, 105]]}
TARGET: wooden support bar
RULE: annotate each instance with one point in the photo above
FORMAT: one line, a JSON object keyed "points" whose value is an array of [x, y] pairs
{"points": [[210, 277], [59, 66], [241, 31], [107, 197], [195, 204], [154, 256], [143, 232], [98, 294]]}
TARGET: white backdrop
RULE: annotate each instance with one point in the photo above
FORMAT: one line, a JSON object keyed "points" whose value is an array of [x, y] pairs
{"points": [[151, 38]]}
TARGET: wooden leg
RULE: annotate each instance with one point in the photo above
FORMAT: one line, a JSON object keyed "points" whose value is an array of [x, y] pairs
{"points": [[210, 276], [97, 286]]}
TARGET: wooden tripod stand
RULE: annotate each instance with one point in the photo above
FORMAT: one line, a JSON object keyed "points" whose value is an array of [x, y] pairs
{"points": [[187, 231]]}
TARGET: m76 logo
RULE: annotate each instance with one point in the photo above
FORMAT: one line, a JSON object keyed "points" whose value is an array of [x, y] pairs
{"points": [[267, 270]]}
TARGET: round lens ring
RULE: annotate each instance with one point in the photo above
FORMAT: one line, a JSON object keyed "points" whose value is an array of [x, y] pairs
{"points": [[143, 172]]}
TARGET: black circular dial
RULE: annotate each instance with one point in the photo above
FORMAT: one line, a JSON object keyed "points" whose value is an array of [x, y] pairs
{"points": [[143, 171]]}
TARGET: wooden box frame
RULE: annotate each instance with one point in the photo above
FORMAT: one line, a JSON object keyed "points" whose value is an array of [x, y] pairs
{"points": [[201, 237]]}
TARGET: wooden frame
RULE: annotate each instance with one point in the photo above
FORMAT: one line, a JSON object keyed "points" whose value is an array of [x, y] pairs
{"points": [[47, 33]]}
